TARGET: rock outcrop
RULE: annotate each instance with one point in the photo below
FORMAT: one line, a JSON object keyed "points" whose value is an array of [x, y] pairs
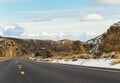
{"points": [[20, 47], [111, 39], [105, 43], [8, 48]]}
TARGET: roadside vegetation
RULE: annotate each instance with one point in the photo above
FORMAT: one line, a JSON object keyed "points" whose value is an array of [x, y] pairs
{"points": [[115, 62], [3, 58]]}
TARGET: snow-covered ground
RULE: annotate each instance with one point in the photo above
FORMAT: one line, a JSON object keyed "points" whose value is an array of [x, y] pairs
{"points": [[105, 63]]}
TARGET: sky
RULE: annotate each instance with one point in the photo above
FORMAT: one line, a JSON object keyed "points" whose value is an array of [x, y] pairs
{"points": [[57, 19]]}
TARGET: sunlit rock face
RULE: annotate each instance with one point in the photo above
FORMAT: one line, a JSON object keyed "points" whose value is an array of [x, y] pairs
{"points": [[8, 48], [105, 43], [111, 39]]}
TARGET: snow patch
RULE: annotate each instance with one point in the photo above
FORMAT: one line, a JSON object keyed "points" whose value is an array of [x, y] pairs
{"points": [[97, 41], [103, 63]]}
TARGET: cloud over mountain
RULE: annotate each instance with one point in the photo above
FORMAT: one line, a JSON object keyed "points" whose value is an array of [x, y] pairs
{"points": [[58, 36], [8, 29], [15, 30]]}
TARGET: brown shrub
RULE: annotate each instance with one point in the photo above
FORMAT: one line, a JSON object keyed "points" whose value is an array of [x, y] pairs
{"points": [[85, 56], [75, 59], [2, 58], [114, 62], [66, 60], [114, 55]]}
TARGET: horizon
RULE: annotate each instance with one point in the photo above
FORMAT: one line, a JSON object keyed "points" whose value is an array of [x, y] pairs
{"points": [[57, 19]]}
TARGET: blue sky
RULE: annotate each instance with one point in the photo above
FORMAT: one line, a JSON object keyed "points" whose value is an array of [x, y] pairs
{"points": [[58, 19], [25, 5], [14, 8]]}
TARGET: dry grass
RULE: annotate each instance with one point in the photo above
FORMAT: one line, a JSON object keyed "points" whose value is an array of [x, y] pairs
{"points": [[115, 55], [66, 60], [47, 60], [75, 56], [57, 57], [2, 58], [114, 62], [75, 59], [85, 56]]}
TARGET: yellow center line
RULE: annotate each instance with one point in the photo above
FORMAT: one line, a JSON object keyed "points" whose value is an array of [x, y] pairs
{"points": [[22, 72], [19, 67]]}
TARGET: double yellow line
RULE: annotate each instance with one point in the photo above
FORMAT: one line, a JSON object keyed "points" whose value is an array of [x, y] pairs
{"points": [[20, 67]]}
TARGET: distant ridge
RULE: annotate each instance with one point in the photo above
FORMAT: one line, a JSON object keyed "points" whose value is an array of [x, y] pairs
{"points": [[105, 43]]}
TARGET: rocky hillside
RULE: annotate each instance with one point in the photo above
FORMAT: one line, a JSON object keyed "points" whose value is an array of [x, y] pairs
{"points": [[9, 48], [105, 43], [111, 39], [45, 48]]}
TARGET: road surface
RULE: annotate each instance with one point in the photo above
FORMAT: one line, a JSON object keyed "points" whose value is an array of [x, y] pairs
{"points": [[17, 70]]}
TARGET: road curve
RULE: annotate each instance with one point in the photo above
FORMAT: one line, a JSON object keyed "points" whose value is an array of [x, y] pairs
{"points": [[17, 70]]}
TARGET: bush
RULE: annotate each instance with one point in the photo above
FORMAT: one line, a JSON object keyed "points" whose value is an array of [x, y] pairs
{"points": [[97, 55], [114, 55], [114, 62], [85, 56], [75, 59], [48, 53], [37, 54]]}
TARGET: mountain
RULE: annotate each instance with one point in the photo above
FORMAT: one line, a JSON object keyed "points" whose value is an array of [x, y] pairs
{"points": [[111, 39], [105, 43], [45, 48]]}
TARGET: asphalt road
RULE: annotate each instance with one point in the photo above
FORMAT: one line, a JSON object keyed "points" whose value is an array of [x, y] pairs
{"points": [[24, 71]]}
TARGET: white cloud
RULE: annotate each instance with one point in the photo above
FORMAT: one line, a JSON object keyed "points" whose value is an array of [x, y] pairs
{"points": [[43, 35], [68, 27], [15, 30], [4, 24], [59, 36], [57, 30], [7, 29], [42, 19], [76, 30], [92, 17], [109, 2]]}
